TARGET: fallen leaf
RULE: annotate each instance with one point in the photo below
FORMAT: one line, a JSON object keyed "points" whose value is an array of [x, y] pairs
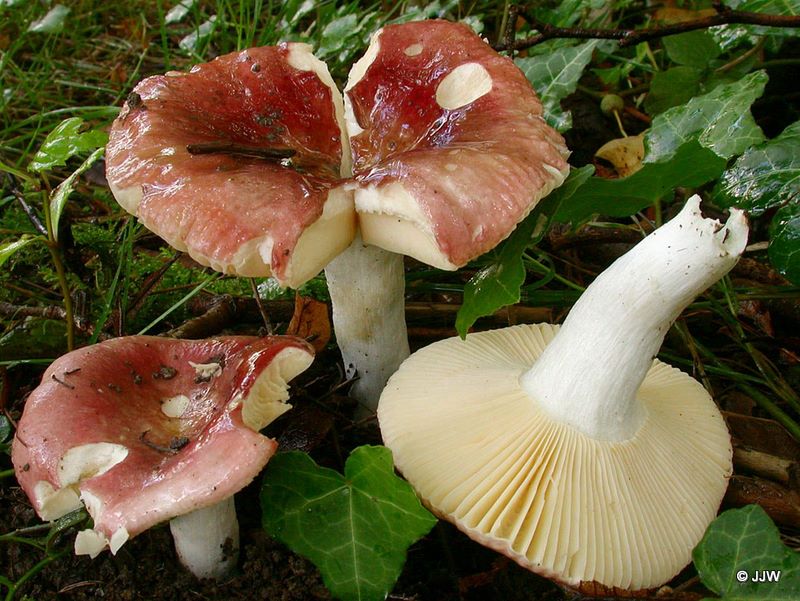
{"points": [[625, 154], [311, 322]]}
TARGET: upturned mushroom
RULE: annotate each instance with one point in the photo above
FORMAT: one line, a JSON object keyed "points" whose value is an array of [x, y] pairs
{"points": [[573, 451], [145, 429], [246, 164]]}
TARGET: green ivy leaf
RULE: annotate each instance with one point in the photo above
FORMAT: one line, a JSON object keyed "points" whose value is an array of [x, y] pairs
{"points": [[691, 166], [784, 244], [720, 121], [740, 545], [692, 49], [5, 433], [355, 528], [64, 141], [765, 176], [61, 193], [554, 76], [498, 283], [7, 249], [672, 87]]}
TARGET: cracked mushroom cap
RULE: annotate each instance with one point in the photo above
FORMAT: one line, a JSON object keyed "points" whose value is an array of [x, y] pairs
{"points": [[189, 155], [143, 429], [450, 149], [484, 456]]}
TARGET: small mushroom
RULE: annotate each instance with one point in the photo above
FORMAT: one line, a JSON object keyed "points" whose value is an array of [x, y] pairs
{"points": [[572, 450], [161, 449]]}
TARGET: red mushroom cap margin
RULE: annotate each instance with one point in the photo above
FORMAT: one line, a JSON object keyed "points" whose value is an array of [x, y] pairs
{"points": [[143, 429]]}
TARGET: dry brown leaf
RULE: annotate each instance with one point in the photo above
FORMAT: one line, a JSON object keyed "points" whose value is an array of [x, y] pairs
{"points": [[671, 14], [311, 322], [625, 154]]}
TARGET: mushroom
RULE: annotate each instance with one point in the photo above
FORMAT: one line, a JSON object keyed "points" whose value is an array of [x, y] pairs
{"points": [[450, 152], [573, 451], [145, 429], [238, 163], [245, 163]]}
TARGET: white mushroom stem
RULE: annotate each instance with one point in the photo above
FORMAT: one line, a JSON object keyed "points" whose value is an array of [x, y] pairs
{"points": [[589, 374], [207, 539], [367, 285]]}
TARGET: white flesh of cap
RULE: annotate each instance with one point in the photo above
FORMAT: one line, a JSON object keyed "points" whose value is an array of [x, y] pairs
{"points": [[390, 218], [269, 393], [463, 85]]}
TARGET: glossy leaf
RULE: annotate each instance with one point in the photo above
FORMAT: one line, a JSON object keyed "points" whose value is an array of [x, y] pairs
{"points": [[355, 528], [498, 283], [671, 88], [692, 49], [5, 434], [8, 249], [784, 245], [731, 36], [64, 189], [65, 141], [720, 121], [741, 547], [765, 176], [554, 76], [691, 165]]}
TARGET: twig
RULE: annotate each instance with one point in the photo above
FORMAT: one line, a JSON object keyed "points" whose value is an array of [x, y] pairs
{"points": [[631, 37], [261, 309], [271, 154]]}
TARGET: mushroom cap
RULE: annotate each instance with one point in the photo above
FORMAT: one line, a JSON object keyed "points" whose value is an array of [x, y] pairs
{"points": [[234, 211], [450, 150], [482, 454], [143, 429]]}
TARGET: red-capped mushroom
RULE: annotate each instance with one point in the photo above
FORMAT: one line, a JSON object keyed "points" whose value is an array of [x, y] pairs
{"points": [[450, 152], [237, 162], [145, 429]]}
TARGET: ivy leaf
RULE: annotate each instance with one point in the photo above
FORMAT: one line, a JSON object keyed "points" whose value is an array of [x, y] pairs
{"points": [[498, 283], [355, 528], [670, 88], [554, 76], [691, 166], [740, 546], [5, 434], [765, 176], [7, 249], [64, 189], [64, 141], [784, 244], [692, 49], [720, 121]]}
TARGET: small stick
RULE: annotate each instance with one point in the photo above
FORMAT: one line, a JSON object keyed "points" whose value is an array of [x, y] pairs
{"points": [[271, 154], [261, 308]]}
